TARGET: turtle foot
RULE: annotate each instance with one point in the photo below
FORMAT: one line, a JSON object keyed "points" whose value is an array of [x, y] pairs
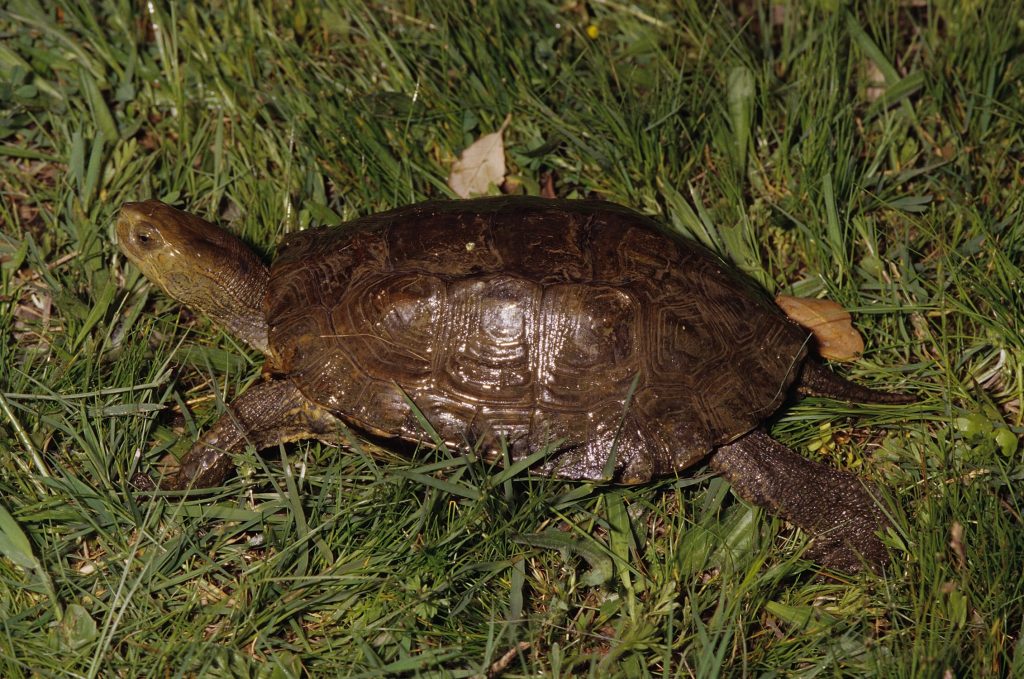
{"points": [[840, 555]]}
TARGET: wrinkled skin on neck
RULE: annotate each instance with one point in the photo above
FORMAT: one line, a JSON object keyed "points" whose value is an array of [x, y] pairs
{"points": [[199, 264]]}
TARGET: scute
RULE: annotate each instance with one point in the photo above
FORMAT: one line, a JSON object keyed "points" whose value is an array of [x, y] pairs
{"points": [[531, 321], [398, 310], [597, 344]]}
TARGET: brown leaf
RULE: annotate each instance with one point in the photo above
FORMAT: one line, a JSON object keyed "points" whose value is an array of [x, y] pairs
{"points": [[829, 322], [956, 542], [547, 188], [875, 79], [480, 165]]}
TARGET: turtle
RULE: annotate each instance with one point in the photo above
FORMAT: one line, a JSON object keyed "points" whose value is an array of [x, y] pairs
{"points": [[512, 323]]}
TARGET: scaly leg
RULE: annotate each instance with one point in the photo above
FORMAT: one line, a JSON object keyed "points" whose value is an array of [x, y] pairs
{"points": [[267, 414], [834, 506], [817, 380]]}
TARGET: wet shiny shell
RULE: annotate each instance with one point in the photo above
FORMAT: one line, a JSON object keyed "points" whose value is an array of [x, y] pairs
{"points": [[531, 321]]}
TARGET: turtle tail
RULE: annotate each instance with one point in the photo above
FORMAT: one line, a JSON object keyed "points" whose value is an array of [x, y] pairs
{"points": [[817, 380]]}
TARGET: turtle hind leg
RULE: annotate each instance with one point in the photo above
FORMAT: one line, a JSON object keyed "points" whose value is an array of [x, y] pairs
{"points": [[817, 380], [834, 506], [266, 414]]}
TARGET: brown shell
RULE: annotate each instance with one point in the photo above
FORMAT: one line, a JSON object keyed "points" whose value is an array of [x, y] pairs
{"points": [[534, 321]]}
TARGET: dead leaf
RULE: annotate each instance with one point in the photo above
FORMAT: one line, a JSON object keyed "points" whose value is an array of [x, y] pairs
{"points": [[875, 81], [480, 165], [512, 186], [828, 322], [547, 188], [956, 543]]}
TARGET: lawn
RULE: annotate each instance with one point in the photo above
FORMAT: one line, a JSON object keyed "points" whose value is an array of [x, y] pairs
{"points": [[870, 153]]}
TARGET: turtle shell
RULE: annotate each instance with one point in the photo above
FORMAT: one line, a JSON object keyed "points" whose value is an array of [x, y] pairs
{"points": [[521, 322]]}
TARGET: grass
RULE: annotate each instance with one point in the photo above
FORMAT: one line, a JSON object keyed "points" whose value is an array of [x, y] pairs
{"points": [[871, 154]]}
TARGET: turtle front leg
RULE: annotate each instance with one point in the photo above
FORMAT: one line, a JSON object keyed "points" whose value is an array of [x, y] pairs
{"points": [[267, 414], [836, 507]]}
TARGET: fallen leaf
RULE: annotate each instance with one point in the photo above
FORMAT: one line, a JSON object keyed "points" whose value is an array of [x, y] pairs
{"points": [[956, 542], [512, 186], [480, 165], [875, 81], [828, 322], [547, 189]]}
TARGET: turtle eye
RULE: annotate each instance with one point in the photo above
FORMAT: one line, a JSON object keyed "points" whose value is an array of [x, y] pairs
{"points": [[145, 236]]}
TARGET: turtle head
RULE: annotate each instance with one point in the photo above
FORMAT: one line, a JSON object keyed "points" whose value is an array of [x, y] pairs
{"points": [[199, 264]]}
